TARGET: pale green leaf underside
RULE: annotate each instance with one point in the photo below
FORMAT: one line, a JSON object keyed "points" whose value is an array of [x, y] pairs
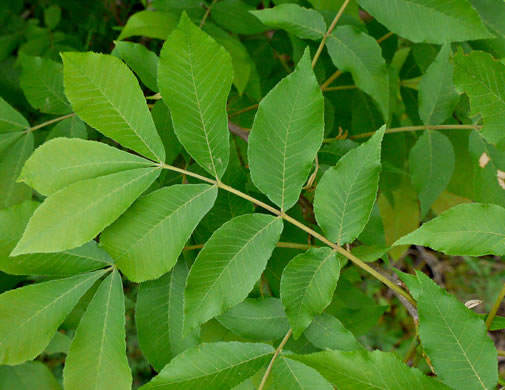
{"points": [[11, 163], [359, 370], [327, 332], [75, 214], [455, 339], [287, 133], [260, 319], [146, 241], [158, 316], [482, 78], [356, 52], [303, 22], [431, 164], [346, 193], [228, 266], [97, 357], [430, 21], [70, 262], [64, 161], [472, 229], [307, 286], [437, 95], [42, 84], [290, 374], [29, 316], [194, 77], [10, 119], [106, 94], [215, 366]]}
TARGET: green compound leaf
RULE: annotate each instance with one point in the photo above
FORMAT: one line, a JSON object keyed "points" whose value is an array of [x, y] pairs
{"points": [[431, 163], [472, 229], [64, 161], [307, 286], [194, 77], [228, 266], [11, 163], [88, 257], [289, 125], [215, 366], [10, 119], [455, 339], [261, 319], [141, 60], [106, 95], [481, 77], [346, 193], [158, 316], [29, 316], [75, 214], [146, 241], [290, 374], [303, 22], [429, 21], [97, 357], [354, 51], [375, 370], [437, 95], [42, 84], [327, 332]]}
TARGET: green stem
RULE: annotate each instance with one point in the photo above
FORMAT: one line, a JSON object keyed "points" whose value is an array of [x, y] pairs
{"points": [[60, 118], [501, 353], [496, 306], [412, 350], [330, 30], [271, 364], [338, 88], [207, 13], [300, 225]]}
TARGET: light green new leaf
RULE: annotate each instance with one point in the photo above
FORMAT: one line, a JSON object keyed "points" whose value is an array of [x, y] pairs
{"points": [[141, 60], [194, 77], [429, 21], [455, 339], [303, 22], [482, 78], [97, 357], [11, 162], [42, 84], [215, 366], [151, 24], [307, 286], [28, 376], [431, 163], [356, 52], [289, 125], [290, 374], [29, 316], [72, 127], [64, 161], [75, 214], [437, 95], [106, 94], [10, 119], [146, 241], [346, 194], [228, 266], [471, 229], [327, 332], [88, 257], [158, 316], [375, 370], [260, 319]]}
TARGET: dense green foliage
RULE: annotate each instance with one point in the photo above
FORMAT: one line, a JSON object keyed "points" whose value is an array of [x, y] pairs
{"points": [[252, 194]]}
